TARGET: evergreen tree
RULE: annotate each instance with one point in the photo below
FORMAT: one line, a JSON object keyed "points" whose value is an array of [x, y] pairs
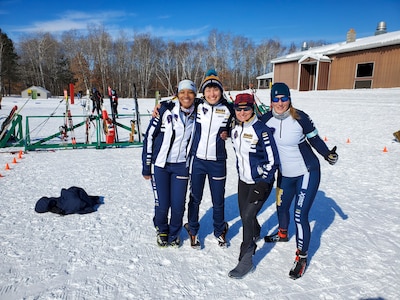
{"points": [[8, 64]]}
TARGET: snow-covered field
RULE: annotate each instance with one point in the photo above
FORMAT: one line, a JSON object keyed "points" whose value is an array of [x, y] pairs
{"points": [[112, 253]]}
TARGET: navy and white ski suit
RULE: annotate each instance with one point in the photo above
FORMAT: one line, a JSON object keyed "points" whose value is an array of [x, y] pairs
{"points": [[165, 157], [257, 160], [208, 158], [299, 172]]}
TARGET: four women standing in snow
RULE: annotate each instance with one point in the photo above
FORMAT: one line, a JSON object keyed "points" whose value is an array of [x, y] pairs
{"points": [[281, 139]]}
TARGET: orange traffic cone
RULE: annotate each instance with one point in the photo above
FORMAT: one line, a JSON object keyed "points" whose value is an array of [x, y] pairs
{"points": [[20, 154], [14, 161], [1, 175], [348, 141], [325, 139], [7, 167], [385, 149]]}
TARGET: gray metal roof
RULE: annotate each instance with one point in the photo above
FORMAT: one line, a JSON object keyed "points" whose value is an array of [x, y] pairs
{"points": [[323, 52]]}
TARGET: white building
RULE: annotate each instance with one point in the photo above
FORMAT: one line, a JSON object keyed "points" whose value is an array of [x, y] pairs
{"points": [[35, 92], [265, 81]]}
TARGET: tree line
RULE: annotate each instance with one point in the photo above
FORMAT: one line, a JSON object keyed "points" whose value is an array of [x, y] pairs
{"points": [[96, 59]]}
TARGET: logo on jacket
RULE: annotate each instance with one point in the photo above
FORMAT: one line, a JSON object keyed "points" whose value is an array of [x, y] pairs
{"points": [[248, 136]]}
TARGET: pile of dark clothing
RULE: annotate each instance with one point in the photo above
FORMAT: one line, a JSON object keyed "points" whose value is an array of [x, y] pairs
{"points": [[73, 200]]}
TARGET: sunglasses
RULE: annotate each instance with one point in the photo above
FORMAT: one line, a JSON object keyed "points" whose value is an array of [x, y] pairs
{"points": [[245, 108], [283, 99]]}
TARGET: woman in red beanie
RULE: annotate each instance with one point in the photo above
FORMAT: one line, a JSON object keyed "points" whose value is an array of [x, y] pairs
{"points": [[257, 160]]}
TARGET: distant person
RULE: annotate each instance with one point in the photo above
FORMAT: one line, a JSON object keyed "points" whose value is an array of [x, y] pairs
{"points": [[97, 99], [299, 172], [114, 103], [165, 162], [257, 160]]}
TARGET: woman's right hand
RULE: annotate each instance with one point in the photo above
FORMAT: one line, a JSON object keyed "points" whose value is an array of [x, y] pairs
{"points": [[155, 113]]}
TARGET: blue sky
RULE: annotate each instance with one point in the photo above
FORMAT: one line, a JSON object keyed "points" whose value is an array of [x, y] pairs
{"points": [[286, 20]]}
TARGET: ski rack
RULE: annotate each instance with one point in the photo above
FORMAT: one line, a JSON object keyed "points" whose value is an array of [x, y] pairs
{"points": [[51, 142], [14, 136]]}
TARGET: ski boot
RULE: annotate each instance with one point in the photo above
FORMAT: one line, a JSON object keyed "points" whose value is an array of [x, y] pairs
{"points": [[299, 265], [194, 239], [280, 236], [222, 242]]}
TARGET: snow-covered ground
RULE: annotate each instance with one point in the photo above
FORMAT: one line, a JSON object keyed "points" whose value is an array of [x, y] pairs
{"points": [[112, 253]]}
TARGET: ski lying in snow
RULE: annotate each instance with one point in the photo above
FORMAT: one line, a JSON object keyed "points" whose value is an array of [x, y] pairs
{"points": [[7, 122], [137, 114]]}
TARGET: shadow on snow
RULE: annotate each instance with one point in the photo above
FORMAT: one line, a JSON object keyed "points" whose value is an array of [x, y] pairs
{"points": [[322, 215]]}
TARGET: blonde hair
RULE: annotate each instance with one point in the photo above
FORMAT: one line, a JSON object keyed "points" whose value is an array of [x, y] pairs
{"points": [[293, 112]]}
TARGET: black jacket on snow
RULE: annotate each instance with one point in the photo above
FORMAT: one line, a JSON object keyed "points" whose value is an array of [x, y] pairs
{"points": [[72, 200]]}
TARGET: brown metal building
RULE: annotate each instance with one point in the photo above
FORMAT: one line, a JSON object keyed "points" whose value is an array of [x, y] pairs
{"points": [[371, 62]]}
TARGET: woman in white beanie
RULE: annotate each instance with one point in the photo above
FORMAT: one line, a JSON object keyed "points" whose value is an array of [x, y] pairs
{"points": [[164, 161]]}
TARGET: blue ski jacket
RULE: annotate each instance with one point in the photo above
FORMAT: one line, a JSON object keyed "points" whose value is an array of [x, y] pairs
{"points": [[167, 137], [72, 200]]}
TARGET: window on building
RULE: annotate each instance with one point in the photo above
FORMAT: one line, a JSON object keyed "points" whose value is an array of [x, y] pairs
{"points": [[365, 70], [362, 84]]}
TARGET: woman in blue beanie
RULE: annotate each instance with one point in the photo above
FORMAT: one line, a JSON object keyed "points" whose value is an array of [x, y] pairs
{"points": [[299, 171]]}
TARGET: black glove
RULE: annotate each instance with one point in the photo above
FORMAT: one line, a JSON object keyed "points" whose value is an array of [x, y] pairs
{"points": [[332, 156], [259, 192]]}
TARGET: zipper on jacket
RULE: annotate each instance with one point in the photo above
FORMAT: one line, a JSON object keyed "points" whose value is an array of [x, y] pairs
{"points": [[184, 136], [209, 129], [240, 148]]}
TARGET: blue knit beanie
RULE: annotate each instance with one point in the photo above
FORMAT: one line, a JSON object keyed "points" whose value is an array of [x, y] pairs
{"points": [[280, 88]]}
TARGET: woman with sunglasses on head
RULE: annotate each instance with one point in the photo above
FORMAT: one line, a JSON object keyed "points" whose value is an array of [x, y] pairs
{"points": [[256, 161], [299, 171]]}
